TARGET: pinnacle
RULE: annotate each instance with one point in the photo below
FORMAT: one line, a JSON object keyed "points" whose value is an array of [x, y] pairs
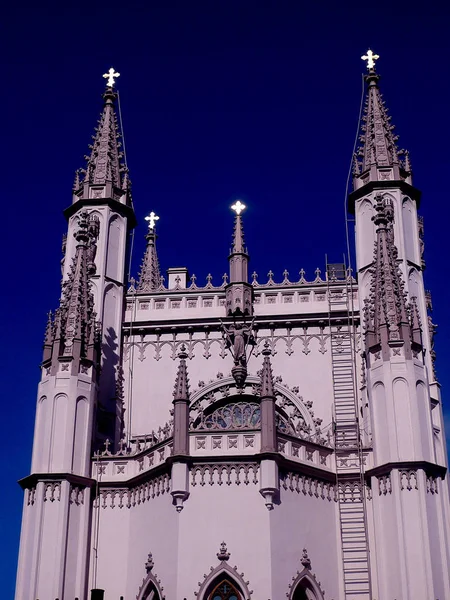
{"points": [[74, 321], [150, 274], [238, 237], [267, 389], [181, 390], [385, 314]]}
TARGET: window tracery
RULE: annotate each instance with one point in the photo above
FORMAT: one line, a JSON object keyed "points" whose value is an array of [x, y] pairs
{"points": [[225, 590]]}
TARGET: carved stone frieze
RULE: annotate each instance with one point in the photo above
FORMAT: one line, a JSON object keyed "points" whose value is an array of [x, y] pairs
{"points": [[384, 485], [204, 345], [52, 491], [224, 473], [76, 495], [432, 485], [308, 486], [408, 480]]}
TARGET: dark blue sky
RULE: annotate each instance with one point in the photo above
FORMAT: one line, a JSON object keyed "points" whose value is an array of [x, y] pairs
{"points": [[220, 99]]}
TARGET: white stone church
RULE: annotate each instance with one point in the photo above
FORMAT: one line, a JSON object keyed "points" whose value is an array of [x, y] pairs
{"points": [[248, 441]]}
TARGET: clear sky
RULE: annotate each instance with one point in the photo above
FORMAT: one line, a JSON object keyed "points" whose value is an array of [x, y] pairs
{"points": [[220, 99]]}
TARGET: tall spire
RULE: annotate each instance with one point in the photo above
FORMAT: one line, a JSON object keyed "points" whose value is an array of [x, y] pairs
{"points": [[150, 274], [104, 163], [378, 148], [239, 292], [73, 332], [386, 315]]}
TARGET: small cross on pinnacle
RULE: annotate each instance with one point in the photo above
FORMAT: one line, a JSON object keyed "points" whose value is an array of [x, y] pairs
{"points": [[111, 75], [152, 218], [238, 207], [370, 57]]}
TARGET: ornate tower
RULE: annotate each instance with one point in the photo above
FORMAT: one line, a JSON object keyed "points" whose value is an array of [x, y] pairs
{"points": [[77, 392], [260, 452], [409, 551]]}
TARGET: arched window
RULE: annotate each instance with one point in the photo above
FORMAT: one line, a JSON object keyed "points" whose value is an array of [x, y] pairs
{"points": [[225, 590]]}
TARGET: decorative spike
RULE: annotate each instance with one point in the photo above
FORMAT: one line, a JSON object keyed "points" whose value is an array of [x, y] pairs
{"points": [[181, 390], [150, 275], [267, 389]]}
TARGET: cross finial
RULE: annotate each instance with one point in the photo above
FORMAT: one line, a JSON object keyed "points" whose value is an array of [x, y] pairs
{"points": [[238, 207], [111, 75], [370, 57], [152, 218]]}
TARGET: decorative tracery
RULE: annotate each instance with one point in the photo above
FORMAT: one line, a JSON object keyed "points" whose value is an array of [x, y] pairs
{"points": [[225, 590]]}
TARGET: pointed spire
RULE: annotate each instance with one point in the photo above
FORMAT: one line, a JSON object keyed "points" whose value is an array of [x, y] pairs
{"points": [[267, 388], [238, 256], [386, 314], [181, 390], [239, 294], [71, 332], [104, 163], [378, 149], [150, 274], [238, 246]]}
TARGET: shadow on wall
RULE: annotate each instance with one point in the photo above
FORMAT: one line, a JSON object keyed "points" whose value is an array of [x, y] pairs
{"points": [[106, 409]]}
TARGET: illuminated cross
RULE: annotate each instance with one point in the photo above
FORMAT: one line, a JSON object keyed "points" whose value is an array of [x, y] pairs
{"points": [[238, 207], [110, 76], [371, 58], [152, 218]]}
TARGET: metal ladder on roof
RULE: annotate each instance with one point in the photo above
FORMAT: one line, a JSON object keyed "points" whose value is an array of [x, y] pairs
{"points": [[347, 439]]}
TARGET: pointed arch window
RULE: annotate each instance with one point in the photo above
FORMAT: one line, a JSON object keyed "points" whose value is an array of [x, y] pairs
{"points": [[225, 590]]}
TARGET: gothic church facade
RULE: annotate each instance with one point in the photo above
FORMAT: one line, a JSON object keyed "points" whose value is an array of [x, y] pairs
{"points": [[242, 441]]}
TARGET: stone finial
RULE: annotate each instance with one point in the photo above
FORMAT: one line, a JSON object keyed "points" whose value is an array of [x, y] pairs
{"points": [[181, 390], [223, 553], [305, 560], [149, 563]]}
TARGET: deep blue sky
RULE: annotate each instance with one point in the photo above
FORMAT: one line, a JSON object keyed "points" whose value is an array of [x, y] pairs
{"points": [[220, 99]]}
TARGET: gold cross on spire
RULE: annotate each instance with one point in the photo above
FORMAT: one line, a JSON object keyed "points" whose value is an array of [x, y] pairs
{"points": [[111, 75], [370, 57], [238, 207], [152, 218]]}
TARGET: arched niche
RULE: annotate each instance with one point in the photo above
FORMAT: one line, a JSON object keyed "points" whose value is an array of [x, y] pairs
{"points": [[365, 233], [114, 248], [305, 587], [410, 232]]}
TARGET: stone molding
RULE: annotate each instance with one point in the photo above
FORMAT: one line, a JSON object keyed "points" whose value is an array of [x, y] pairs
{"points": [[206, 343], [312, 582], [126, 498]]}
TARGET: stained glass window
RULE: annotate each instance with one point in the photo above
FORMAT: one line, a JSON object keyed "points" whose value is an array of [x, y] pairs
{"points": [[225, 591], [239, 415]]}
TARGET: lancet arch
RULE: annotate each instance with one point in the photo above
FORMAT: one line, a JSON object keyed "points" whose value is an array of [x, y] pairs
{"points": [[223, 583], [305, 587]]}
